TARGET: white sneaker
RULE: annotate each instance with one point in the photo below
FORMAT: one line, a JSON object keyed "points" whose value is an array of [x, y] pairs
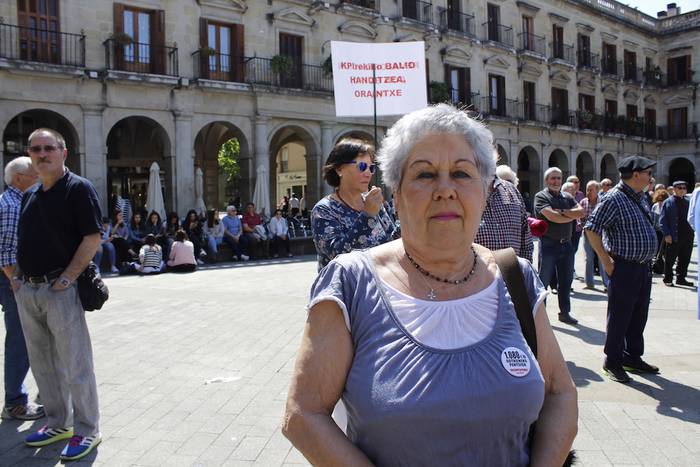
{"points": [[245, 257], [114, 269], [200, 262]]}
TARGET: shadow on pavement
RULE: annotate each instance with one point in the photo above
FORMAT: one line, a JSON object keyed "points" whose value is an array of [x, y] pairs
{"points": [[586, 334], [582, 376], [675, 399], [591, 295]]}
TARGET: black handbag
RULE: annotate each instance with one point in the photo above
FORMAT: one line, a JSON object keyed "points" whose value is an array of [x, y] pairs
{"points": [[92, 290]]}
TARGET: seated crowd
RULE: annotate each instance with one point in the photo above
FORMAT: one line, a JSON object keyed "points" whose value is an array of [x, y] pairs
{"points": [[146, 244]]}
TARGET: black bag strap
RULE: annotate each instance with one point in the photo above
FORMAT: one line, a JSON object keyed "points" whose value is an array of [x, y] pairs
{"points": [[509, 266]]}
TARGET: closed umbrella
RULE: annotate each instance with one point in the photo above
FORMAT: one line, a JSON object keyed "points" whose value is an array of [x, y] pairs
{"points": [[154, 197], [200, 207], [261, 195]]}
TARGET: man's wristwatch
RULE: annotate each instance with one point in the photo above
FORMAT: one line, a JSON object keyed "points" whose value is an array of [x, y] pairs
{"points": [[64, 282]]}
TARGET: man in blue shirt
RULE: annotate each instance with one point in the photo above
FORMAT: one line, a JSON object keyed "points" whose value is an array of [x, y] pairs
{"points": [[233, 234], [621, 232], [678, 235], [19, 176]]}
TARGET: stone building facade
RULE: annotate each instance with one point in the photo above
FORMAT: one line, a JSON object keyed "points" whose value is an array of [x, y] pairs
{"points": [[574, 83]]}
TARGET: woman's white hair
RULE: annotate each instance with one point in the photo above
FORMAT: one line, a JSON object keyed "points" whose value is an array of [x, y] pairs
{"points": [[18, 164], [592, 183], [440, 119], [504, 172], [568, 187]]}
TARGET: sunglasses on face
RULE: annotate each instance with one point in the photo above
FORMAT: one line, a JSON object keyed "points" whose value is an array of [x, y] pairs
{"points": [[46, 148], [362, 166]]}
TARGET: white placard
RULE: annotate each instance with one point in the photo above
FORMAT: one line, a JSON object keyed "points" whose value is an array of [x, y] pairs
{"points": [[399, 80]]}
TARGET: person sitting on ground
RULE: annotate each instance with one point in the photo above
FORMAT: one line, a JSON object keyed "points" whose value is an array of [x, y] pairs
{"points": [[233, 234], [214, 231], [155, 226], [279, 233], [137, 232], [192, 226], [171, 226], [254, 229], [120, 239], [150, 257], [181, 257], [106, 245]]}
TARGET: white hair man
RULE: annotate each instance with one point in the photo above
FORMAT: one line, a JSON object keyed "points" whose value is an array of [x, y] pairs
{"points": [[19, 176], [556, 253]]}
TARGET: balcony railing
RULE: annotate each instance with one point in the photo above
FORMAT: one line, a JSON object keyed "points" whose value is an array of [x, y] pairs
{"points": [[308, 77], [139, 57], [42, 45], [494, 106], [679, 80], [372, 4], [654, 78], [418, 10], [611, 68], [563, 117], [588, 60], [586, 120], [213, 65], [633, 74], [498, 33], [562, 52], [674, 132], [528, 42], [466, 99], [534, 112], [455, 21]]}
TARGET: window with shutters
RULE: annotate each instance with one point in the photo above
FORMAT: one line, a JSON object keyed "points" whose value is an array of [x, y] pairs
{"points": [[40, 27], [292, 47], [557, 41], [146, 51], [459, 81], [610, 108], [679, 71], [586, 102], [632, 111], [678, 123], [609, 59], [497, 95], [221, 51], [630, 65], [529, 100], [560, 106], [650, 123], [493, 20]]}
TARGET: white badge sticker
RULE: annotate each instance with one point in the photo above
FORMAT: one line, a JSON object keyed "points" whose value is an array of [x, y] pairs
{"points": [[515, 361]]}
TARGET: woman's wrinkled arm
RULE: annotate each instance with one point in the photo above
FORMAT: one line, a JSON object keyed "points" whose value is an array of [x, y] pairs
{"points": [[558, 421], [322, 365]]}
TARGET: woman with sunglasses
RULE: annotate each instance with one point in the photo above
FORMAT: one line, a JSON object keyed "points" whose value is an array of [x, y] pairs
{"points": [[353, 216]]}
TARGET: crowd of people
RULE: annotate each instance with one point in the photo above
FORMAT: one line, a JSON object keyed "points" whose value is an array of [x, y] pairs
{"points": [[421, 314]]}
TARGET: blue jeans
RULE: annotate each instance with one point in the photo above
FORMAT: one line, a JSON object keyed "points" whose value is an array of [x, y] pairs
{"points": [[214, 243], [590, 258], [111, 251], [558, 257], [16, 358]]}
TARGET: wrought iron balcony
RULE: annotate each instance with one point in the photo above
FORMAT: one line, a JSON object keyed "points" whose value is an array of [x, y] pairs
{"points": [[611, 68], [529, 111], [633, 74], [210, 64], [456, 21], [301, 76], [41, 45], [371, 4], [654, 78], [418, 10], [494, 106], [562, 52], [562, 116], [498, 33], [528, 42], [586, 120], [588, 60], [463, 99], [676, 132], [137, 57]]}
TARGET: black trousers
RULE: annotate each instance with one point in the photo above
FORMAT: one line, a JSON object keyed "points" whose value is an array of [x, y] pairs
{"points": [[629, 291], [680, 250]]}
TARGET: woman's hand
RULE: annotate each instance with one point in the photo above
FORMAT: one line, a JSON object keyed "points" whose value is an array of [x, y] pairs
{"points": [[374, 200]]}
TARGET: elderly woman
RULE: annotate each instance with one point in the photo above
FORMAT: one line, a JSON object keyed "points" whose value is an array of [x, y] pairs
{"points": [[418, 335], [589, 204], [353, 216]]}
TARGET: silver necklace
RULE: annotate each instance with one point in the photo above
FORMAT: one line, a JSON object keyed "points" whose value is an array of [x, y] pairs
{"points": [[431, 292]]}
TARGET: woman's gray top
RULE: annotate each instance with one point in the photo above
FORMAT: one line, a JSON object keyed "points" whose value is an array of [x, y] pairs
{"points": [[412, 405]]}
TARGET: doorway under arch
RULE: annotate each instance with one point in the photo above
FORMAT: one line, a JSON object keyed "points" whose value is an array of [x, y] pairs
{"points": [[528, 171], [608, 168], [681, 168], [584, 169], [558, 159]]}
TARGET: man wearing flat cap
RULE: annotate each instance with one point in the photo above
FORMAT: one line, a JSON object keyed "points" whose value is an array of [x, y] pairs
{"points": [[678, 235], [621, 232]]}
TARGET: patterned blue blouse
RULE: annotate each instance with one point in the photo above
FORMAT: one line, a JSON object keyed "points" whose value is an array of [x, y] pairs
{"points": [[339, 229]]}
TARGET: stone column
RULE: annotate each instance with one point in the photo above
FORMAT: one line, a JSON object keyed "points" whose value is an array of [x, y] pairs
{"points": [[182, 169], [262, 156], [597, 158], [95, 164], [326, 147], [572, 162]]}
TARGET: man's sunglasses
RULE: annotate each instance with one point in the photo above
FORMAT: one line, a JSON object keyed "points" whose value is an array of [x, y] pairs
{"points": [[46, 148], [362, 166]]}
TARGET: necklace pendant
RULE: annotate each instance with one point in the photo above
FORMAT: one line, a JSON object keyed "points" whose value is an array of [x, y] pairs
{"points": [[431, 294]]}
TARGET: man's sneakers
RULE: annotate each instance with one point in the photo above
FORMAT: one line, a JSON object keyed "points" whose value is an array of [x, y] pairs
{"points": [[640, 366], [47, 435], [568, 319], [23, 412], [684, 282], [668, 283], [617, 374], [79, 447]]}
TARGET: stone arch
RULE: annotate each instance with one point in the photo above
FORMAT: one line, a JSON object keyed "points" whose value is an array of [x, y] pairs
{"points": [[296, 141], [528, 170], [217, 191], [584, 169], [681, 168], [558, 158], [503, 158], [19, 128], [133, 144], [608, 168]]}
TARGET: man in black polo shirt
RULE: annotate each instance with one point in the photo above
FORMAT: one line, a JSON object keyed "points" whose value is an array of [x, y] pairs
{"points": [[58, 235], [560, 210]]}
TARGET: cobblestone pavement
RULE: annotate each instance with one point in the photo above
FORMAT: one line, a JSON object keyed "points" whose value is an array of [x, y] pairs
{"points": [[193, 370]]}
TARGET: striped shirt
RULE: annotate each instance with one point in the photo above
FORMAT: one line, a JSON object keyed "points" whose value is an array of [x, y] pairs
{"points": [[10, 202], [151, 256], [627, 231]]}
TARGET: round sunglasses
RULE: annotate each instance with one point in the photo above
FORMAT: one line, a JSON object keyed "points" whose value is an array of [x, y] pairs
{"points": [[362, 166]]}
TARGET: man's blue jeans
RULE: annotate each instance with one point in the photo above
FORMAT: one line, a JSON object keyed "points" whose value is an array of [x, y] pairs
{"points": [[558, 257], [16, 358]]}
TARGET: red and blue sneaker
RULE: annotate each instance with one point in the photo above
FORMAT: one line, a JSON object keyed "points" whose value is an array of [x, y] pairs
{"points": [[47, 435], [79, 447]]}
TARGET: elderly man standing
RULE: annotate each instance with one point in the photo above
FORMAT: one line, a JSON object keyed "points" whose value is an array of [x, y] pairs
{"points": [[678, 235], [58, 234], [623, 236], [19, 176], [504, 222], [561, 210]]}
